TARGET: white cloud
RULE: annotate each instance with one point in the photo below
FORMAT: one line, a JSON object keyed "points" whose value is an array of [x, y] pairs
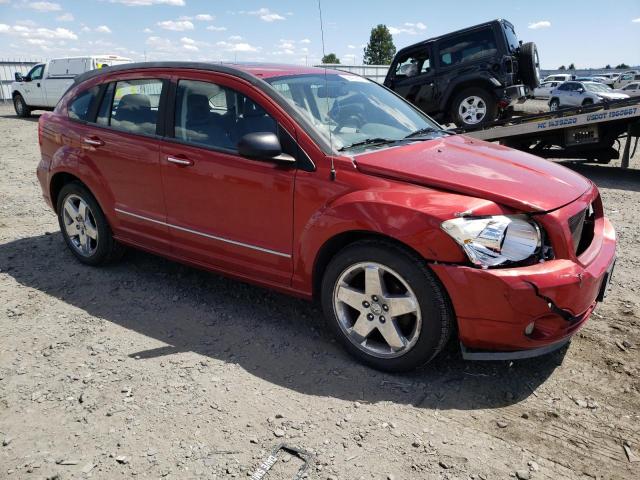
{"points": [[147, 30], [352, 47], [266, 15], [540, 24], [65, 17], [176, 25], [235, 38], [190, 47], [237, 47], [44, 33], [205, 17], [103, 29], [45, 6], [305, 40], [148, 3], [188, 40], [636, 20], [85, 29], [213, 28], [409, 28]]}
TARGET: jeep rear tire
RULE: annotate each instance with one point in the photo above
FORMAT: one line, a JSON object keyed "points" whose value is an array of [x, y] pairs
{"points": [[473, 107], [20, 106], [529, 65]]}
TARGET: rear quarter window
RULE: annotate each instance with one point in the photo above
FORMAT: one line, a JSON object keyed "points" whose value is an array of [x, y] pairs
{"points": [[80, 106], [467, 47]]}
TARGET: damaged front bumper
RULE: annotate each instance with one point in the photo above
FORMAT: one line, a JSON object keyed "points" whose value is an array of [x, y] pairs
{"points": [[527, 311]]}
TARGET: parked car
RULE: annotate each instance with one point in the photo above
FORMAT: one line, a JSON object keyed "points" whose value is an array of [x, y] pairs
{"points": [[323, 184], [591, 79], [632, 89], [559, 77], [466, 77], [45, 83], [626, 78], [544, 90], [575, 94]]}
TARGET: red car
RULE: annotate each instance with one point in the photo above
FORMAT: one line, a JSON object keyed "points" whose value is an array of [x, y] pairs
{"points": [[325, 185]]}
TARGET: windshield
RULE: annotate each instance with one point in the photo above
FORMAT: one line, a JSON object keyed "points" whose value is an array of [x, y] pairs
{"points": [[512, 39], [348, 109], [596, 87]]}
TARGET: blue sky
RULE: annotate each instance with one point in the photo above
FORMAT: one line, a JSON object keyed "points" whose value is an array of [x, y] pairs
{"points": [[587, 33]]}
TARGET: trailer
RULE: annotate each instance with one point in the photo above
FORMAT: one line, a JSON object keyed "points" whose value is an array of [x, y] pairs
{"points": [[592, 133]]}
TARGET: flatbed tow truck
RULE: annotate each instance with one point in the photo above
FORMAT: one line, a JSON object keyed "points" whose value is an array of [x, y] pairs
{"points": [[588, 133]]}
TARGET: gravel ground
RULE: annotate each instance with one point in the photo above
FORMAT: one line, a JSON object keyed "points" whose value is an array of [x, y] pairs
{"points": [[151, 369]]}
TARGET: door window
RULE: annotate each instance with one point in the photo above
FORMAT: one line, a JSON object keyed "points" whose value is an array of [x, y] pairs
{"points": [[131, 106], [217, 116], [467, 47], [80, 107], [36, 72], [415, 63]]}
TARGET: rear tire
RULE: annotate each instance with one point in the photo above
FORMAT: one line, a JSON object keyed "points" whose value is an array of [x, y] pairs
{"points": [[84, 226], [474, 107], [21, 107], [394, 324], [554, 104], [587, 102]]}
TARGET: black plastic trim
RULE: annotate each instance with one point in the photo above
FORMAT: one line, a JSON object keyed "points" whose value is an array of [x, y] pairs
{"points": [[516, 355]]}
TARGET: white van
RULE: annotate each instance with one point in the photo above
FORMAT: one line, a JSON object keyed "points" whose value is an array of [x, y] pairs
{"points": [[45, 84]]}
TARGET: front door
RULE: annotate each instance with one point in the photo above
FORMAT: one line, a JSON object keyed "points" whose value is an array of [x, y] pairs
{"points": [[413, 79], [33, 88], [224, 210]]}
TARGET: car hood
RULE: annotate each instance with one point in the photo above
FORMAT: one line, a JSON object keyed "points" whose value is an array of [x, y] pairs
{"points": [[481, 169]]}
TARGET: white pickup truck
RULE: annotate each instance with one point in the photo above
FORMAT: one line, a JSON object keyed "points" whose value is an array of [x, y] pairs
{"points": [[45, 83]]}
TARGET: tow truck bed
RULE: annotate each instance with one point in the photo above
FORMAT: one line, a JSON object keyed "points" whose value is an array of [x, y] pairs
{"points": [[587, 133]]}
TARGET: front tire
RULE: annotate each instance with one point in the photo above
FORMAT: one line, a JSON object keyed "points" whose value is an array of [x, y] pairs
{"points": [[21, 107], [84, 226], [473, 107], [385, 306]]}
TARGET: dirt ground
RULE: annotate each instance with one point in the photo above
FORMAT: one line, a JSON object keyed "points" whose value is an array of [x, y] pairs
{"points": [[150, 369]]}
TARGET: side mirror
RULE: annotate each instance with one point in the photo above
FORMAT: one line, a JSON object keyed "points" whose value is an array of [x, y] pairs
{"points": [[18, 76], [263, 146]]}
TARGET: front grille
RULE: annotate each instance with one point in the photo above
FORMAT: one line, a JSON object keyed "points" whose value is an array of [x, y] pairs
{"points": [[581, 226]]}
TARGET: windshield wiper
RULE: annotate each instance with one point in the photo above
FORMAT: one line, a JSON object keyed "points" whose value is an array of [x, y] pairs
{"points": [[369, 141], [426, 130]]}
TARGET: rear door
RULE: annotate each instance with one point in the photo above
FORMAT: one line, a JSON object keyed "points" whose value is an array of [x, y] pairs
{"points": [[413, 78], [225, 210], [122, 149]]}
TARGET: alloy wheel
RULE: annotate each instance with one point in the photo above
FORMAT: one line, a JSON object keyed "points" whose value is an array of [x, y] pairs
{"points": [[80, 225], [377, 310], [472, 110]]}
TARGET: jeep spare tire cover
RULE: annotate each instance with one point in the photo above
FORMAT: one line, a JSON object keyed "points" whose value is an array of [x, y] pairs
{"points": [[529, 65]]}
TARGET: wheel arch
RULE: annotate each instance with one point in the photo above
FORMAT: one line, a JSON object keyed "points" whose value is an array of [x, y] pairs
{"points": [[59, 180], [338, 242]]}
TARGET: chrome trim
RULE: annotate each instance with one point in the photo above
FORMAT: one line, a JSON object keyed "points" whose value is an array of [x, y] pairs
{"points": [[179, 161], [202, 234]]}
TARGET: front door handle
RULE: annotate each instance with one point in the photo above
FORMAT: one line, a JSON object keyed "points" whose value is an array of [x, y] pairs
{"points": [[93, 141], [183, 162]]}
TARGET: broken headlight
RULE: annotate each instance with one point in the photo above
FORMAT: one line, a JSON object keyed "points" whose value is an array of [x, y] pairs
{"points": [[495, 240]]}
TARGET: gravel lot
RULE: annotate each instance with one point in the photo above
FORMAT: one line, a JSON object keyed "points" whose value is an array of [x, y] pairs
{"points": [[150, 369]]}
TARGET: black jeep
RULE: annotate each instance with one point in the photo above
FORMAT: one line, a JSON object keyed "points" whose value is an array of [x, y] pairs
{"points": [[468, 77]]}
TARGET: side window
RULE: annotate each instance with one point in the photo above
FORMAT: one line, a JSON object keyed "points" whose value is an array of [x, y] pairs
{"points": [[133, 106], [416, 63], [467, 47], [217, 116], [564, 87], [80, 107], [36, 72]]}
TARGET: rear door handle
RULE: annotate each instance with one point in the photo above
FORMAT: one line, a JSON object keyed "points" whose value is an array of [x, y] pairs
{"points": [[92, 141], [183, 162]]}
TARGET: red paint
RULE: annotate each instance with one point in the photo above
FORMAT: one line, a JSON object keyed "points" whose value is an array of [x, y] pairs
{"points": [[402, 192]]}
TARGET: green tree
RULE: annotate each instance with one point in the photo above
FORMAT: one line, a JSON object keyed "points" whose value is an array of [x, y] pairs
{"points": [[330, 58], [572, 66], [622, 65], [562, 67], [607, 67], [380, 49]]}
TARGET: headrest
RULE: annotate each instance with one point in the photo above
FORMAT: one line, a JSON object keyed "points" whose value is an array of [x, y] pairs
{"points": [[134, 101]]}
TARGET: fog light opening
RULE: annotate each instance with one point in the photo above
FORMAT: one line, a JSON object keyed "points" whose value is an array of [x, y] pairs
{"points": [[529, 328]]}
